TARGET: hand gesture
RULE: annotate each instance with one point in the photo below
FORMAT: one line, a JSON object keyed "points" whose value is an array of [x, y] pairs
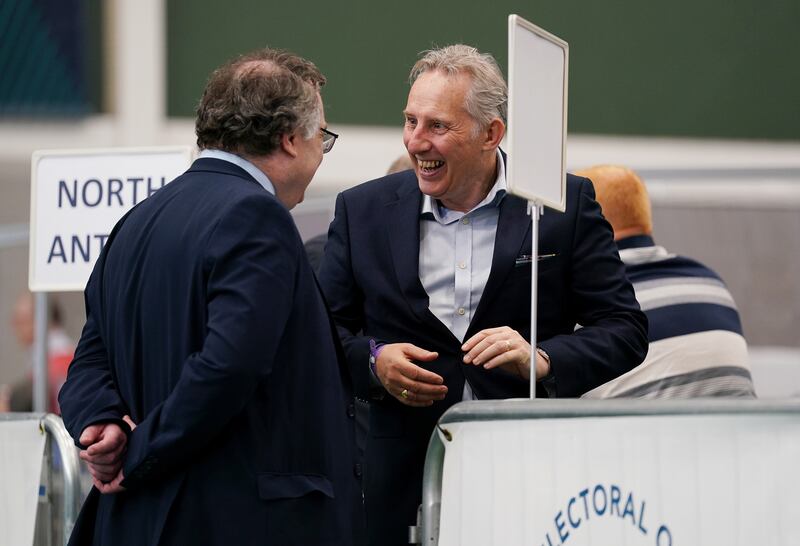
{"points": [[503, 347], [105, 447], [409, 383]]}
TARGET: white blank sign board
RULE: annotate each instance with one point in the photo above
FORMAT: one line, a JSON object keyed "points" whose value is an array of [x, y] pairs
{"points": [[537, 113], [77, 196]]}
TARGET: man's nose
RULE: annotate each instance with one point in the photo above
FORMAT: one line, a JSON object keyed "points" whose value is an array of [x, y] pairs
{"points": [[417, 141]]}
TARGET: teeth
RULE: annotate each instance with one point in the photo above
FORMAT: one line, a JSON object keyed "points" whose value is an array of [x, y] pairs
{"points": [[435, 164]]}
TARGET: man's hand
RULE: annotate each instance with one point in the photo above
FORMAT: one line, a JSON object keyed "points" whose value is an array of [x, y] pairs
{"points": [[503, 347], [105, 449], [410, 384], [105, 444], [110, 487]]}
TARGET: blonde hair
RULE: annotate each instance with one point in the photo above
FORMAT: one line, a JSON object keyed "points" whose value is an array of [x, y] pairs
{"points": [[623, 197]]}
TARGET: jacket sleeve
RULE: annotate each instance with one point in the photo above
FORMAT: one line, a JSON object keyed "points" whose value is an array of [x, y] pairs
{"points": [[251, 262], [613, 336], [89, 394], [345, 298]]}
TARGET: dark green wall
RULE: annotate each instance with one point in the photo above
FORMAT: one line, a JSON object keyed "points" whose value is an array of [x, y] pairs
{"points": [[51, 59], [715, 68]]}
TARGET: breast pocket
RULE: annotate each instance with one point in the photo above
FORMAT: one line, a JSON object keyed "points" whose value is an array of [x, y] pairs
{"points": [[547, 262], [300, 508]]}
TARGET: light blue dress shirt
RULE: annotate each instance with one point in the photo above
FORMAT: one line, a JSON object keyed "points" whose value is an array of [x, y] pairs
{"points": [[455, 256], [239, 161]]}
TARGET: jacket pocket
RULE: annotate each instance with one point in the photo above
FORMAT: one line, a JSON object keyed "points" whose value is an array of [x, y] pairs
{"points": [[547, 262], [300, 510], [273, 485]]}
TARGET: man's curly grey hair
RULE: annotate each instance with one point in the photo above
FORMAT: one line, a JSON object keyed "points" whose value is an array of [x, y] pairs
{"points": [[252, 101]]}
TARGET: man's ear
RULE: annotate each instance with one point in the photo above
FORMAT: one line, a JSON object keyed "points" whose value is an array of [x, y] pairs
{"points": [[494, 134], [289, 144]]}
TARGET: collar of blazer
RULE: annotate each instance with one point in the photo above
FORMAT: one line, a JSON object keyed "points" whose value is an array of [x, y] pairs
{"points": [[220, 166]]}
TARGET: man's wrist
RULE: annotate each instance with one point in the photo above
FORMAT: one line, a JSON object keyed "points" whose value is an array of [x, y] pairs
{"points": [[376, 390], [548, 381], [546, 357]]}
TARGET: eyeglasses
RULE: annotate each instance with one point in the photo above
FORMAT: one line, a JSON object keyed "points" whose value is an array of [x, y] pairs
{"points": [[328, 140]]}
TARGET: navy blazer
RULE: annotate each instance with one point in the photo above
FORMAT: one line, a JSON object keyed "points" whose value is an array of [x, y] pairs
{"points": [[205, 324], [370, 276]]}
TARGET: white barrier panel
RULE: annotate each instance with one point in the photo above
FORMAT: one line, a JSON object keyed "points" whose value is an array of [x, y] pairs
{"points": [[21, 451], [76, 198], [633, 480]]}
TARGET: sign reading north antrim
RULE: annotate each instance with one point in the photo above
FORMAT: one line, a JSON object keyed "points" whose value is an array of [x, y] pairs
{"points": [[77, 196]]}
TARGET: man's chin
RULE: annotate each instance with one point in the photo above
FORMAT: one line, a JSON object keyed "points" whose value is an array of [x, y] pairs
{"points": [[433, 188], [298, 201], [290, 201]]}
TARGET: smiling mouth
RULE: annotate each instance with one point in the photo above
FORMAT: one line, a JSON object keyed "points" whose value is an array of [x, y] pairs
{"points": [[429, 166]]}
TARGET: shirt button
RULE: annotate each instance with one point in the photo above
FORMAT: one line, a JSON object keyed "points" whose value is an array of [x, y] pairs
{"points": [[357, 470], [351, 410], [462, 265], [461, 311], [465, 220]]}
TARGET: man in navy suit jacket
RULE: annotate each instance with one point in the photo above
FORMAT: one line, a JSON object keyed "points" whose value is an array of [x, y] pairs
{"points": [[205, 327], [434, 267]]}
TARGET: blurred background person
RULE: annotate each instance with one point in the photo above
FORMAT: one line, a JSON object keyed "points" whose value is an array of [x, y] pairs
{"points": [[60, 348], [697, 347]]}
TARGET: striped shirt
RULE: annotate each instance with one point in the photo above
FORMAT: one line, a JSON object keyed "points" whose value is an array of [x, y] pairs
{"points": [[697, 348]]}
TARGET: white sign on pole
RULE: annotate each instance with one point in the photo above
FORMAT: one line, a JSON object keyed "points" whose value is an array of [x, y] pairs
{"points": [[21, 454], [537, 114], [668, 480], [77, 196]]}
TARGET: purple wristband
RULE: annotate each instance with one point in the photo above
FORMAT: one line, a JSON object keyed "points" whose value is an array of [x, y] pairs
{"points": [[375, 349]]}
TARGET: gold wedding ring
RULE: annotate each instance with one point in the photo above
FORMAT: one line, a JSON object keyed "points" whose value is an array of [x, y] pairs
{"points": [[404, 393]]}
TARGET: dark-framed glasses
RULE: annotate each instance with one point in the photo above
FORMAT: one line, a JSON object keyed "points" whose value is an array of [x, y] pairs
{"points": [[328, 140]]}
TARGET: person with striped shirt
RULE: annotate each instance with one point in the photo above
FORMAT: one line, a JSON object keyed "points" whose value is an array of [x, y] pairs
{"points": [[697, 348]]}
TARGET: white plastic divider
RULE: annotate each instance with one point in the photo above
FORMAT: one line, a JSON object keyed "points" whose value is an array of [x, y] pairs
{"points": [[711, 472], [26, 441], [21, 453]]}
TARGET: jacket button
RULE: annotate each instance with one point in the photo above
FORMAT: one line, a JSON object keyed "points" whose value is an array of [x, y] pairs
{"points": [[357, 470], [351, 410]]}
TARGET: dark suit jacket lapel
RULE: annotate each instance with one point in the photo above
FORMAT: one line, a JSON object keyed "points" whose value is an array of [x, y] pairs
{"points": [[402, 230], [513, 229]]}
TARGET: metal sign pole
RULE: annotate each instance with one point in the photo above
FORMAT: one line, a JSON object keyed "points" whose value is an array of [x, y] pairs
{"points": [[537, 133], [40, 376], [535, 210]]}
